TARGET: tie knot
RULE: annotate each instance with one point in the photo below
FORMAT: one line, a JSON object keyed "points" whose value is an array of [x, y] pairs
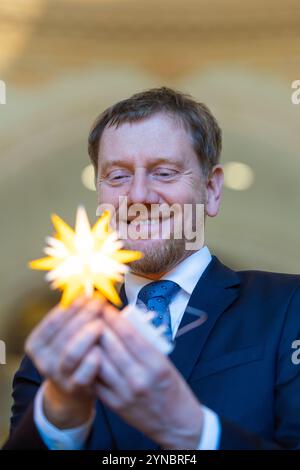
{"points": [[165, 289]]}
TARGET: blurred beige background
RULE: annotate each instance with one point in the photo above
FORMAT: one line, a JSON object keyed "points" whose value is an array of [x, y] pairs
{"points": [[64, 61]]}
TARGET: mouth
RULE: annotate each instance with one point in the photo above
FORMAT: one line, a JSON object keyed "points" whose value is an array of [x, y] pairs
{"points": [[150, 222], [136, 222]]}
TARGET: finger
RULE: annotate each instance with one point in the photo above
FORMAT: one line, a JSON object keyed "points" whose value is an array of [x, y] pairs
{"points": [[118, 354], [45, 355], [88, 313], [59, 364], [137, 376], [141, 349], [88, 370], [52, 324], [80, 344], [108, 397], [110, 376]]}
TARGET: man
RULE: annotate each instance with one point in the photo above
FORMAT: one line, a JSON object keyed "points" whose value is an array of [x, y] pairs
{"points": [[89, 380]]}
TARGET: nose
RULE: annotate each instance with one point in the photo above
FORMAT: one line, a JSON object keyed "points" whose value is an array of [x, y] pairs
{"points": [[141, 190]]}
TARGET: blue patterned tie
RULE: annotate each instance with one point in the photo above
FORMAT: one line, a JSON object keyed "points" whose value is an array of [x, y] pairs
{"points": [[157, 297]]}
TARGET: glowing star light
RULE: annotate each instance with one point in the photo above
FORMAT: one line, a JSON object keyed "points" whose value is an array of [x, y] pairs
{"points": [[85, 260]]}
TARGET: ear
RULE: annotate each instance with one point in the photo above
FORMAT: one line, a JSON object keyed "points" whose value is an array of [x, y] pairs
{"points": [[214, 187]]}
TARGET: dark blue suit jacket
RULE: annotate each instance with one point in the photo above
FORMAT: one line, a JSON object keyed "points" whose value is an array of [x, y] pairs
{"points": [[238, 363]]}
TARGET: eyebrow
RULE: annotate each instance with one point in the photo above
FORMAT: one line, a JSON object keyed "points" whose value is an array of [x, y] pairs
{"points": [[115, 162], [156, 161]]}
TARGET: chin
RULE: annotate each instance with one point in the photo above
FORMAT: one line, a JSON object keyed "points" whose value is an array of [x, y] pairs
{"points": [[159, 255], [144, 245]]}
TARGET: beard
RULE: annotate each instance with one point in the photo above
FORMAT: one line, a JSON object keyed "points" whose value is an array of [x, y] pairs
{"points": [[158, 257]]}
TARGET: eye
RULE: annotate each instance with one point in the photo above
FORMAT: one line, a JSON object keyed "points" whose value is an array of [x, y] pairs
{"points": [[118, 176], [164, 173]]}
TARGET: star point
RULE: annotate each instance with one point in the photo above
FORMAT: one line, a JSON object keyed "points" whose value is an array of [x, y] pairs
{"points": [[87, 260]]}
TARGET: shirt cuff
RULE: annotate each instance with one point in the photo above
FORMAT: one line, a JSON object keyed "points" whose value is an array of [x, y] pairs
{"points": [[211, 433], [59, 439]]}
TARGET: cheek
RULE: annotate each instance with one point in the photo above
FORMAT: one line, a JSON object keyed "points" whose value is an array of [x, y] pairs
{"points": [[182, 194], [108, 195]]}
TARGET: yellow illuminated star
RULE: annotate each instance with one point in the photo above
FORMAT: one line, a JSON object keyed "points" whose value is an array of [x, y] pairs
{"points": [[85, 260]]}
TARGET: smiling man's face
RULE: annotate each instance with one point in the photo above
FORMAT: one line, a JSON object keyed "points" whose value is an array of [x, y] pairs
{"points": [[151, 161]]}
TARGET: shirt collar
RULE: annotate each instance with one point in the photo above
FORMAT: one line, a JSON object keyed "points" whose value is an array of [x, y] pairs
{"points": [[186, 274]]}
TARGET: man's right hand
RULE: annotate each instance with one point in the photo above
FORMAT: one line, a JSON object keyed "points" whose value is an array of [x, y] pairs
{"points": [[65, 349]]}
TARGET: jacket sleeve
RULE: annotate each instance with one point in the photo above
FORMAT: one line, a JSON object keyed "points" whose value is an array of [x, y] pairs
{"points": [[23, 431], [286, 394]]}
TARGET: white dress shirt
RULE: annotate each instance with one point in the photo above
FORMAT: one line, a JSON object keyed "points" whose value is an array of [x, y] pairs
{"points": [[186, 274]]}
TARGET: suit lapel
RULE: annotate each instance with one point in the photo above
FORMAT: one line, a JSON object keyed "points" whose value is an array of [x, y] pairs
{"points": [[213, 294]]}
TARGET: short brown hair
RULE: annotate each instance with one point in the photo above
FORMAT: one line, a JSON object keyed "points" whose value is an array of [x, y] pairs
{"points": [[196, 117]]}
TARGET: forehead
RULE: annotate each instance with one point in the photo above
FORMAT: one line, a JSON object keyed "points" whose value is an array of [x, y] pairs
{"points": [[158, 136]]}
